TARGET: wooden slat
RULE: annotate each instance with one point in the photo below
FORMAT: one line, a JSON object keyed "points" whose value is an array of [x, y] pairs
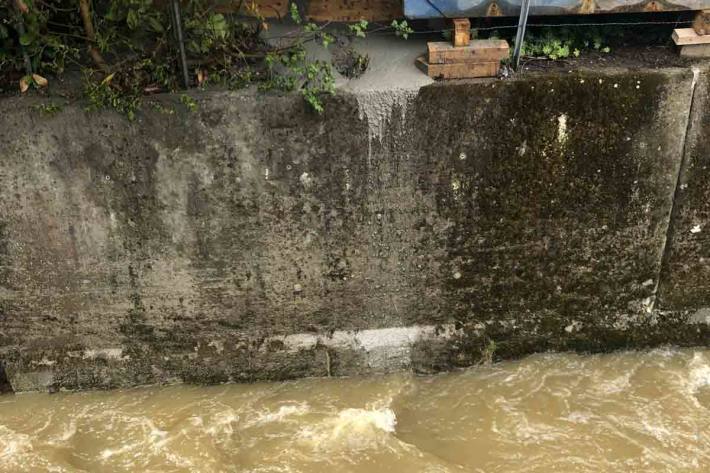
{"points": [[480, 50], [462, 70], [695, 50], [354, 10], [323, 10], [683, 36], [462, 32]]}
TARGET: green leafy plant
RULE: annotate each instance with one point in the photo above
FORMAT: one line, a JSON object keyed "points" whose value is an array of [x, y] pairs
{"points": [[402, 28], [295, 14], [359, 29], [291, 70], [188, 102], [26, 42], [104, 95], [127, 49], [562, 43], [48, 109], [160, 108]]}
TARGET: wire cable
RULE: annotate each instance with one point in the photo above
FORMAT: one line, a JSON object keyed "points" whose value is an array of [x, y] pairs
{"points": [[433, 5], [548, 25]]}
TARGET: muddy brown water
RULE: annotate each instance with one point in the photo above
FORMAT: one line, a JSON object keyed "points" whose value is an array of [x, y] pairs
{"points": [[635, 411]]}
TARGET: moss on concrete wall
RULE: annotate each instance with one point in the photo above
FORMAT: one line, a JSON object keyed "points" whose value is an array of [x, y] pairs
{"points": [[253, 239]]}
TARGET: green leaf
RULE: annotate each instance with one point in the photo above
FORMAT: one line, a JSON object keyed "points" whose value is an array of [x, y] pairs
{"points": [[295, 15], [155, 25], [402, 28], [132, 19], [327, 40], [25, 39], [218, 25]]}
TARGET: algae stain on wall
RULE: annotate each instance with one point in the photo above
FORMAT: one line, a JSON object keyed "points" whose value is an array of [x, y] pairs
{"points": [[553, 181]]}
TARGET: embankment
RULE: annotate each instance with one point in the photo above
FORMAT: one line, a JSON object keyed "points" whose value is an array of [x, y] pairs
{"points": [[425, 228]]}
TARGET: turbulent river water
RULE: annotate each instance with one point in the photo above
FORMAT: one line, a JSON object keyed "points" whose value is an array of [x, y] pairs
{"points": [[623, 412]]}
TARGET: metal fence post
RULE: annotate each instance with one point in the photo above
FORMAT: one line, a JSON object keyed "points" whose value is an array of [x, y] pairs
{"points": [[520, 33], [177, 23]]}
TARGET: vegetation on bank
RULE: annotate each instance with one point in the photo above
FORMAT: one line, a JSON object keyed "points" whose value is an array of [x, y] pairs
{"points": [[564, 42], [128, 49]]}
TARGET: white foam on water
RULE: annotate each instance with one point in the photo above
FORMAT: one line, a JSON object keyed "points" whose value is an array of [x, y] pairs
{"points": [[108, 453], [578, 417], [12, 444], [699, 374], [352, 429], [281, 414], [530, 432], [157, 437], [616, 385], [657, 430], [68, 432], [18, 453], [224, 423], [382, 419]]}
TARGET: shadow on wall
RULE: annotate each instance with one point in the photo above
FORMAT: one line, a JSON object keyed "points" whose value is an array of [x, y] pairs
{"points": [[5, 386]]}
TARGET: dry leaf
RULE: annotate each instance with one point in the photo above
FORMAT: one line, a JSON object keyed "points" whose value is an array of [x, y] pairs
{"points": [[200, 76], [108, 79], [24, 85], [39, 80]]}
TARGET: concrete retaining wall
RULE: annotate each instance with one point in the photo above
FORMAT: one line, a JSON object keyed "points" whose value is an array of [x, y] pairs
{"points": [[422, 229]]}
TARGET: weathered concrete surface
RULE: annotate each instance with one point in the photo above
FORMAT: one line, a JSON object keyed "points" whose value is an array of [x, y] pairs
{"points": [[253, 239], [558, 209], [686, 282]]}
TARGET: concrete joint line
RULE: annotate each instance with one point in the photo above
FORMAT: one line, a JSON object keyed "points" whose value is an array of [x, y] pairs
{"points": [[676, 190]]}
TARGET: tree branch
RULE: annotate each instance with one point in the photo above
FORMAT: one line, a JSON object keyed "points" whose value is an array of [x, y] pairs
{"points": [[85, 11]]}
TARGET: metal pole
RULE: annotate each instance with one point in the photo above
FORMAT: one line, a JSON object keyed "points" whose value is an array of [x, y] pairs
{"points": [[181, 42], [520, 34]]}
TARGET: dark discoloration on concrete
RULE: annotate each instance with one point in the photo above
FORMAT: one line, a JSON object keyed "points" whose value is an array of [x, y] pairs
{"points": [[5, 386], [531, 213], [556, 220]]}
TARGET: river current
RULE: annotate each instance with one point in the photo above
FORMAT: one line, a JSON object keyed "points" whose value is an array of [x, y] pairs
{"points": [[621, 412]]}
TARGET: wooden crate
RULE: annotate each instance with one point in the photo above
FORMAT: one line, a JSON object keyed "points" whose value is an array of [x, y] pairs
{"points": [[441, 52], [691, 44], [459, 70]]}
